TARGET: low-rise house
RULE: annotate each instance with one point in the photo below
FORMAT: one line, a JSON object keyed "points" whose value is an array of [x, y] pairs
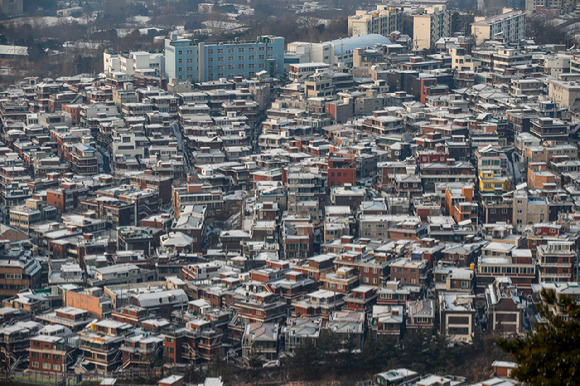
{"points": [[300, 331], [388, 320], [504, 308], [457, 316], [49, 354], [347, 326], [100, 344], [261, 339], [142, 351], [420, 314]]}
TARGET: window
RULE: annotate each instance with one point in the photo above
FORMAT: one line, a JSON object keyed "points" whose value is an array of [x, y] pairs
{"points": [[241, 49], [35, 364], [46, 366], [220, 50], [241, 57], [56, 367]]}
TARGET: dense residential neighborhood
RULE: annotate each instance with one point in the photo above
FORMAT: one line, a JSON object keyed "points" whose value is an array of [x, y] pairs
{"points": [[241, 202]]}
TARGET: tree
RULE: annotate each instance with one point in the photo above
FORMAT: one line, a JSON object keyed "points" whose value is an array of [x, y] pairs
{"points": [[543, 31], [255, 361], [305, 362], [551, 354]]}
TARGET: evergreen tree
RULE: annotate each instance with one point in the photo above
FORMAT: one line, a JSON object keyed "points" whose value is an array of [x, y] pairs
{"points": [[551, 354], [305, 361]]}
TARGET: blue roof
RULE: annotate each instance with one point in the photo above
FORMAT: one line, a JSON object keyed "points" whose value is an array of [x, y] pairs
{"points": [[362, 41]]}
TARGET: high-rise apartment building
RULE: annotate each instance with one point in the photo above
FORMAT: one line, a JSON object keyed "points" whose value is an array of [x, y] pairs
{"points": [[383, 21], [510, 27], [431, 25], [202, 62]]}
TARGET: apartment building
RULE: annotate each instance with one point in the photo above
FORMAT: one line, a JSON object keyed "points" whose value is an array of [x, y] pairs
{"points": [[197, 194], [566, 94], [457, 316], [504, 308], [510, 27], [101, 344], [18, 272], [556, 261], [49, 354], [383, 21], [431, 25], [131, 62], [504, 260], [201, 62]]}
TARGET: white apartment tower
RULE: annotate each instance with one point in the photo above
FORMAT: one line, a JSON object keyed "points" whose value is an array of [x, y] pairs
{"points": [[431, 25]]}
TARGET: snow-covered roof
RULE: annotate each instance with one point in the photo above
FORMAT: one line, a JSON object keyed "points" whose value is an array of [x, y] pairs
{"points": [[362, 41]]}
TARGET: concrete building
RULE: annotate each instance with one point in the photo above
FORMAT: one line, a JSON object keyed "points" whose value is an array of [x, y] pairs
{"points": [[457, 316], [550, 6], [566, 94], [201, 62], [504, 309], [384, 20], [510, 27], [333, 51], [431, 25], [529, 210], [131, 62], [556, 261]]}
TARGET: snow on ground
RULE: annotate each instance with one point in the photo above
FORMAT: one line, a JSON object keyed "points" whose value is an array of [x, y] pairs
{"points": [[141, 20], [233, 222], [218, 24], [247, 224], [49, 21], [236, 196]]}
